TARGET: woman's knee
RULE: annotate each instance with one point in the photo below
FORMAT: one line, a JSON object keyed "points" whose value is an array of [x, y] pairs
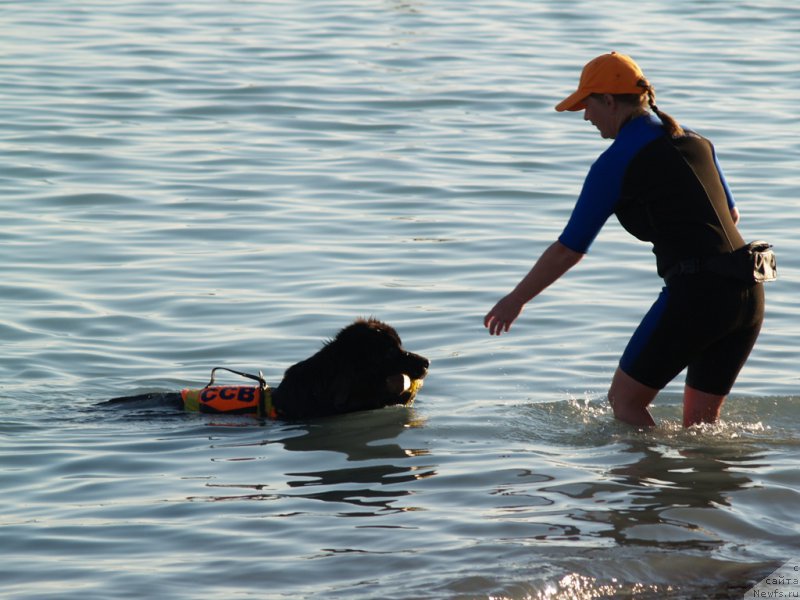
{"points": [[629, 400]]}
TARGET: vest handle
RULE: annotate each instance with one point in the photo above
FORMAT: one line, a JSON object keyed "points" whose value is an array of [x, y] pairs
{"points": [[259, 378]]}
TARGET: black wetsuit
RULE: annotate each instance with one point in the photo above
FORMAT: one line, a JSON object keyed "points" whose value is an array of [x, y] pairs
{"points": [[672, 193]]}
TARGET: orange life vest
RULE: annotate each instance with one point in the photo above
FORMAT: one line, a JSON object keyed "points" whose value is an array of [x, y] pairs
{"points": [[232, 400]]}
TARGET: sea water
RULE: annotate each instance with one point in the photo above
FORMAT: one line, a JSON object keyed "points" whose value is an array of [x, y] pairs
{"points": [[194, 184]]}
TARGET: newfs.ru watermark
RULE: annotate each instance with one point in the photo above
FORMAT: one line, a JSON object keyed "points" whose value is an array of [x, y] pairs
{"points": [[784, 582]]}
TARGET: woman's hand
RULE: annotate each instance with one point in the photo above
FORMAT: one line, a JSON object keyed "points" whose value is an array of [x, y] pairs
{"points": [[552, 264], [505, 312]]}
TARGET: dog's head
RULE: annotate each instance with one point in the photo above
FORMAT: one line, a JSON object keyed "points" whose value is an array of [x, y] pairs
{"points": [[364, 367], [384, 372]]}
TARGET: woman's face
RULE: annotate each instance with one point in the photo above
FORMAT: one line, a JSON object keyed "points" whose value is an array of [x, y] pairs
{"points": [[603, 114]]}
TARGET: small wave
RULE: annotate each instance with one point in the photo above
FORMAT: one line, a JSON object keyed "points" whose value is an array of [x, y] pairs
{"points": [[589, 421]]}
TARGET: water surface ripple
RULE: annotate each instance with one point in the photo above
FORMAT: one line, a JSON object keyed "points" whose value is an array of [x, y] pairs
{"points": [[194, 184]]}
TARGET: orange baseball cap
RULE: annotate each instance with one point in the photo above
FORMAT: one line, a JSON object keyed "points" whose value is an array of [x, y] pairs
{"points": [[607, 74]]}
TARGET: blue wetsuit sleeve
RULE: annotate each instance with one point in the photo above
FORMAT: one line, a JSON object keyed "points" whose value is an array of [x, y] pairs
{"points": [[728, 193], [603, 184], [595, 204]]}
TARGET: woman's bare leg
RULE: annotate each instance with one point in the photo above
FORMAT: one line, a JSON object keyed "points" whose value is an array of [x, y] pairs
{"points": [[700, 407], [629, 399]]}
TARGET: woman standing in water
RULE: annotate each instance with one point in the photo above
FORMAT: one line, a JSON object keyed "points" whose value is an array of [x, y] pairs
{"points": [[665, 186]]}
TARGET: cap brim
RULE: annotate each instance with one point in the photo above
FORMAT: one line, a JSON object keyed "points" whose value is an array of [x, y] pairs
{"points": [[575, 101]]}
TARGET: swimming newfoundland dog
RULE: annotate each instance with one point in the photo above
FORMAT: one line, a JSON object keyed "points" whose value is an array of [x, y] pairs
{"points": [[364, 367]]}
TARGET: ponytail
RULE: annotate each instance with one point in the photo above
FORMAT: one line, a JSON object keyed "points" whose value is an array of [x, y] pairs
{"points": [[670, 124]]}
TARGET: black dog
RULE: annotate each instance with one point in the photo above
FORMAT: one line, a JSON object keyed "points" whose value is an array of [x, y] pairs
{"points": [[364, 367]]}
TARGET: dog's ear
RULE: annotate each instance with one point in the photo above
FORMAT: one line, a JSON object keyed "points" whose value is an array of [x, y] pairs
{"points": [[341, 384]]}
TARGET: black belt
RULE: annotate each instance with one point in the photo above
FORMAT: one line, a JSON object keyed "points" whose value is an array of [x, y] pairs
{"points": [[752, 263], [691, 266]]}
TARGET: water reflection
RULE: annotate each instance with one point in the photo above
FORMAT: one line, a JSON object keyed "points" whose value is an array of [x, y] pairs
{"points": [[357, 438], [370, 439], [699, 477], [660, 490], [355, 435]]}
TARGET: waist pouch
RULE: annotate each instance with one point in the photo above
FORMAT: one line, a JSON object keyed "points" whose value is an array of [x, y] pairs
{"points": [[752, 263]]}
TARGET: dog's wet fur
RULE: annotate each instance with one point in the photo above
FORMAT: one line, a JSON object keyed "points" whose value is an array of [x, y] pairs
{"points": [[352, 372]]}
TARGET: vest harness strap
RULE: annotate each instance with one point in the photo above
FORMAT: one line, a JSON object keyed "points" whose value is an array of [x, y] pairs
{"points": [[232, 399]]}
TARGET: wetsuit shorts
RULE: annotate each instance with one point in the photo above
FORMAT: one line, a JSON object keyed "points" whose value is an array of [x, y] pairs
{"points": [[705, 323]]}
